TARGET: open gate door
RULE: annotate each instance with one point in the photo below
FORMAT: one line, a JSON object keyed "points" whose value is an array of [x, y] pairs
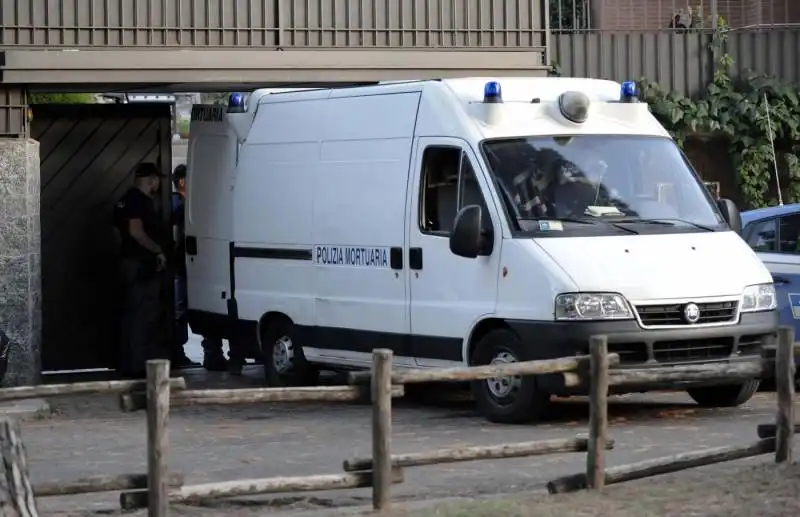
{"points": [[88, 153]]}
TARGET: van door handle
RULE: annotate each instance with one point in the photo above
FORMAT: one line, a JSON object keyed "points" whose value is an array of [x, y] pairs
{"points": [[415, 258], [191, 245], [396, 258], [780, 280]]}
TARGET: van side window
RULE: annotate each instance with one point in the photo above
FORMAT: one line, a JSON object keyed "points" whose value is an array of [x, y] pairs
{"points": [[790, 234], [762, 236], [469, 191], [439, 189], [448, 184]]}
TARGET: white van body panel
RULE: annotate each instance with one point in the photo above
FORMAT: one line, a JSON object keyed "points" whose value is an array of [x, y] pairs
{"points": [[717, 264], [284, 154], [365, 150], [526, 292], [211, 165], [328, 146], [448, 297]]}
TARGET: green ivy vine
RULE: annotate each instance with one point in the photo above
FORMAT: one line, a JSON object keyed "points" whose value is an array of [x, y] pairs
{"points": [[735, 108]]}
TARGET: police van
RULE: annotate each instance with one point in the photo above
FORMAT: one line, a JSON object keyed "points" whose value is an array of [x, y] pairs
{"points": [[466, 221]]}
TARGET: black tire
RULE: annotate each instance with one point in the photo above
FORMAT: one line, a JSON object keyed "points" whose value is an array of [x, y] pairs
{"points": [[300, 371], [729, 395], [526, 402]]}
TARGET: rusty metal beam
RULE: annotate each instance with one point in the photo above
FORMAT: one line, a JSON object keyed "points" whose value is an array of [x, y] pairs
{"points": [[259, 67]]}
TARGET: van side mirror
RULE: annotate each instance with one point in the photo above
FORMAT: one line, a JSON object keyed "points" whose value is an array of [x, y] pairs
{"points": [[467, 239], [731, 214]]}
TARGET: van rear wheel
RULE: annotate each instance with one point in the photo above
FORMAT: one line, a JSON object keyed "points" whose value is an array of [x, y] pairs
{"points": [[729, 395], [508, 400], [284, 362]]}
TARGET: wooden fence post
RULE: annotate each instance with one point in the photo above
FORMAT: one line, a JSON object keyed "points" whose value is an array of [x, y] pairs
{"points": [[16, 492], [157, 439], [381, 429], [598, 413], [784, 386]]}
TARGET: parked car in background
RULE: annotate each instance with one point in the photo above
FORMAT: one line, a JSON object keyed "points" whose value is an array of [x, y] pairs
{"points": [[774, 233]]}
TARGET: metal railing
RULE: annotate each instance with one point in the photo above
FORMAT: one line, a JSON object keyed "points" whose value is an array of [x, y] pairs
{"points": [[273, 23], [676, 15]]}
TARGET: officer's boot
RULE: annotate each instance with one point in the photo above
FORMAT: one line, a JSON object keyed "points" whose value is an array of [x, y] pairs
{"points": [[213, 356], [236, 357]]}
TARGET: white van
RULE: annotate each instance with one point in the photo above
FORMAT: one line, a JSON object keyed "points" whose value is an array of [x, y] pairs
{"points": [[466, 221]]}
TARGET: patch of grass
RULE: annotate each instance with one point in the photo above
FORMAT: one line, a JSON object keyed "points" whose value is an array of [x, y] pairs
{"points": [[183, 128]]}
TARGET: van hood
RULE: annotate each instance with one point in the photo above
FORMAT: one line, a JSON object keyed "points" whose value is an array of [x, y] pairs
{"points": [[659, 267]]}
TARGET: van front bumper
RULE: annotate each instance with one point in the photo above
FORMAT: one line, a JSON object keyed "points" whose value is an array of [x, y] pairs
{"points": [[640, 348]]}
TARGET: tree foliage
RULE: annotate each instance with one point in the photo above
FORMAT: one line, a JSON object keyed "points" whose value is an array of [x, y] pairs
{"points": [[61, 98], [214, 97], [750, 111]]}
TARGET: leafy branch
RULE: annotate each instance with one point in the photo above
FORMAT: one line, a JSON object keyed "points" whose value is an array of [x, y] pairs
{"points": [[736, 109]]}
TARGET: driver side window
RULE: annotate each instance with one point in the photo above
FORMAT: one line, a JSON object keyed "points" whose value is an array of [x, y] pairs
{"points": [[448, 184], [763, 236]]}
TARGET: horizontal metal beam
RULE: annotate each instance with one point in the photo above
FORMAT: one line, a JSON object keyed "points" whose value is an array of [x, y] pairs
{"points": [[259, 67]]}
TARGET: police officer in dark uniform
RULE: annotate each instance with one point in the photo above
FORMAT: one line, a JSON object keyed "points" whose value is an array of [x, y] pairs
{"points": [[213, 354], [178, 357], [142, 260]]}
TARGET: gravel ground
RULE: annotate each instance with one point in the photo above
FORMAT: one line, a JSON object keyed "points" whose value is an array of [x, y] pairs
{"points": [[89, 436], [764, 490]]}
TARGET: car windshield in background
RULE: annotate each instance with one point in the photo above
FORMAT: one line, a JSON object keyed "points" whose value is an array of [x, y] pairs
{"points": [[627, 181]]}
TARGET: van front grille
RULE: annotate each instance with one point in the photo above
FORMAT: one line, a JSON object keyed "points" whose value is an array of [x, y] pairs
{"points": [[692, 350], [673, 314]]}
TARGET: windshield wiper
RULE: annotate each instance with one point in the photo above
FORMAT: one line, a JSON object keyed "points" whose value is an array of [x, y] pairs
{"points": [[665, 222], [581, 221]]}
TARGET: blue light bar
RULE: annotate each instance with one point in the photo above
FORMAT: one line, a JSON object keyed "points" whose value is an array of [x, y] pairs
{"points": [[628, 92], [492, 92]]}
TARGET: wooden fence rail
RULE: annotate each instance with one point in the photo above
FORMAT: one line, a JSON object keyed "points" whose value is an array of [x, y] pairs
{"points": [[775, 438], [80, 388], [138, 401], [96, 484], [383, 469], [17, 495], [663, 465], [489, 371]]}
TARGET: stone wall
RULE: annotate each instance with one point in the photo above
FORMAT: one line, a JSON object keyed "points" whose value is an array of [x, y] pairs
{"points": [[20, 258]]}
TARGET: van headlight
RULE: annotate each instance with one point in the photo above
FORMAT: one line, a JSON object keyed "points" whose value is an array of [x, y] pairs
{"points": [[592, 306], [759, 297]]}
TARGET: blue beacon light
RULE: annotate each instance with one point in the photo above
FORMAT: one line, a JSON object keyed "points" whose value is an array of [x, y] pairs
{"points": [[236, 103], [492, 93], [628, 92]]}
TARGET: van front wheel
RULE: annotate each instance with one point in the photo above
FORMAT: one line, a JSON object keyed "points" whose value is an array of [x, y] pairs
{"points": [[730, 395], [508, 400], [284, 362]]}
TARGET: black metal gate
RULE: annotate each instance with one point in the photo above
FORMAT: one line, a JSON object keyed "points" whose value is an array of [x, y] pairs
{"points": [[88, 153]]}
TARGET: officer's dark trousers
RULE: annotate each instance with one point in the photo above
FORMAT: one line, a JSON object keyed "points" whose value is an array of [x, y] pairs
{"points": [[140, 315]]}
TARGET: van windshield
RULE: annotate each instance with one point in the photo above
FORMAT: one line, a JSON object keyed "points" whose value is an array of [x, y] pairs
{"points": [[636, 183]]}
